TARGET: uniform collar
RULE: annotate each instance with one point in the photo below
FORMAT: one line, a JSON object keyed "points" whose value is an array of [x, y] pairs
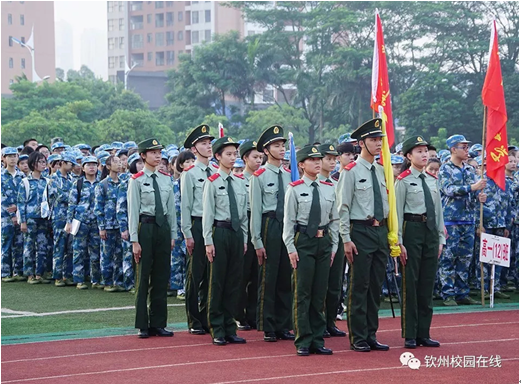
{"points": [[322, 177], [415, 172], [247, 175], [308, 181], [273, 168], [223, 174], [365, 163], [148, 172], [201, 165]]}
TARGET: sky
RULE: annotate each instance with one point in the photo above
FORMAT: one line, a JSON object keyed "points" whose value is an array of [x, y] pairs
{"points": [[82, 15]]}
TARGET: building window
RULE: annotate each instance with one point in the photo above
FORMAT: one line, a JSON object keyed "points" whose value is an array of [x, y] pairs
{"points": [[179, 16], [111, 24], [149, 56], [136, 5], [111, 43], [11, 62], [160, 58], [137, 41], [22, 20], [159, 4], [138, 59], [9, 19], [121, 6], [160, 20], [251, 33], [10, 41], [170, 38], [207, 16], [136, 22], [195, 37], [170, 58], [160, 39], [121, 43], [11, 81], [169, 19], [22, 63], [111, 61], [208, 35], [150, 38], [122, 61], [180, 35], [267, 95], [121, 24], [149, 18], [110, 6], [169, 3], [112, 79], [195, 17]]}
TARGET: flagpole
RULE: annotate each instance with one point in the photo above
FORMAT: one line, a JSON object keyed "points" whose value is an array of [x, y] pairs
{"points": [[481, 204]]}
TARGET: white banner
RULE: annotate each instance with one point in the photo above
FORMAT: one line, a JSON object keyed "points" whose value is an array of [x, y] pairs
{"points": [[495, 250]]}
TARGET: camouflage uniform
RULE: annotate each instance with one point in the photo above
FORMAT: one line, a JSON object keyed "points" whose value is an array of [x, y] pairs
{"points": [[122, 217], [12, 239], [178, 261], [513, 271], [111, 248], [459, 209], [86, 243], [59, 190], [35, 239]]}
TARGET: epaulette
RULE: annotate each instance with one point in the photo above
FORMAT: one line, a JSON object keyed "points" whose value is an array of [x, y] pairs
{"points": [[428, 173], [350, 166], [287, 169], [164, 173], [213, 177], [190, 167], [215, 166], [404, 174], [139, 174], [326, 183], [295, 183], [259, 172], [239, 175]]}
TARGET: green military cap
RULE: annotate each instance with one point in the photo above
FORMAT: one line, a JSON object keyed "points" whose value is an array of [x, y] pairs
{"points": [[198, 133], [148, 145], [371, 128], [328, 149], [246, 146], [308, 151], [413, 142], [273, 133], [222, 142]]}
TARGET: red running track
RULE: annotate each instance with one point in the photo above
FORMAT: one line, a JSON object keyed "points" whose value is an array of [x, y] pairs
{"points": [[192, 359]]}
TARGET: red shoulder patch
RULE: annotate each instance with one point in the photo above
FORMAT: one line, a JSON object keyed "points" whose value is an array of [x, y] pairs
{"points": [[239, 175], [213, 177], [326, 183], [164, 173], [259, 172], [287, 169], [431, 174], [215, 165], [404, 174], [190, 167], [295, 183], [139, 174], [350, 165]]}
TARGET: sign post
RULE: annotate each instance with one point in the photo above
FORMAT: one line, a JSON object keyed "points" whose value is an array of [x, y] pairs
{"points": [[494, 250]]}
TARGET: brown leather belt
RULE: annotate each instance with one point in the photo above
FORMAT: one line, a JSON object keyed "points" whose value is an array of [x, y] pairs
{"points": [[371, 222], [416, 218], [197, 218], [270, 214], [222, 224], [320, 232], [147, 219]]}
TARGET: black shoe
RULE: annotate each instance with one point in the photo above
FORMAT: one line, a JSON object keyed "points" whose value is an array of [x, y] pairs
{"points": [[194, 331], [219, 341], [160, 332], [376, 346], [243, 326], [304, 351], [427, 342], [410, 343], [285, 335], [335, 332], [252, 324], [206, 329], [361, 346], [270, 336], [234, 339], [321, 351], [326, 334], [143, 334]]}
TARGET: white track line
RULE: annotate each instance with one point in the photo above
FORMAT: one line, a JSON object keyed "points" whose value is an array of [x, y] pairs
{"points": [[13, 312], [197, 345], [232, 360], [93, 310]]}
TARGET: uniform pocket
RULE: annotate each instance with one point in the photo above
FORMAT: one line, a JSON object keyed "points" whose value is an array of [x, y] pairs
{"points": [[147, 196], [363, 193], [415, 196], [304, 205]]}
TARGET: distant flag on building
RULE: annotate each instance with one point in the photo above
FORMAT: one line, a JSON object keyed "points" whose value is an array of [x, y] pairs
{"points": [[221, 130], [496, 147], [293, 159], [381, 93]]}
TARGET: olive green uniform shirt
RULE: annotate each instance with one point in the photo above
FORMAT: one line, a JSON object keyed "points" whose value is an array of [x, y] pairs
{"points": [[410, 199], [356, 196], [142, 201], [297, 207], [247, 179], [216, 204]]}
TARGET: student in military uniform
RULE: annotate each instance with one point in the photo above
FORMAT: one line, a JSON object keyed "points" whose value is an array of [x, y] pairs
{"points": [[152, 227], [225, 233], [267, 188], [363, 208], [421, 236], [311, 237], [338, 266], [247, 311], [192, 179]]}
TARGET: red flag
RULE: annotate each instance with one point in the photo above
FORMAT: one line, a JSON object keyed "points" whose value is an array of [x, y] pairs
{"points": [[381, 93], [494, 99], [221, 130]]}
